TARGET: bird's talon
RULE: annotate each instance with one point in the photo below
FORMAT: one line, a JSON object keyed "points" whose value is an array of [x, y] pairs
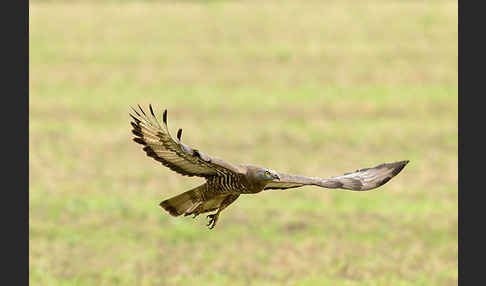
{"points": [[213, 218]]}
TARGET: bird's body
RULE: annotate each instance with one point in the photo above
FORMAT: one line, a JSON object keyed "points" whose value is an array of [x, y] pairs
{"points": [[216, 194], [225, 181]]}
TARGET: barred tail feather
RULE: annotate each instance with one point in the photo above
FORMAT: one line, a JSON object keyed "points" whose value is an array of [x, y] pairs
{"points": [[183, 203]]}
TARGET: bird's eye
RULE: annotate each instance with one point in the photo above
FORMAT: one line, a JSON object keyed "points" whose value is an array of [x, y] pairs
{"points": [[267, 173]]}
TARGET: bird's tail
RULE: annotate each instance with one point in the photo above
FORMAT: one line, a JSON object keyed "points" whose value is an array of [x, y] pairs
{"points": [[183, 203]]}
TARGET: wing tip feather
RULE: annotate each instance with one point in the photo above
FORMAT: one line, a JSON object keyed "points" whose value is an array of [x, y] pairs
{"points": [[136, 112], [139, 141], [395, 167], [151, 110], [134, 118], [164, 117], [136, 132], [398, 167], [141, 109]]}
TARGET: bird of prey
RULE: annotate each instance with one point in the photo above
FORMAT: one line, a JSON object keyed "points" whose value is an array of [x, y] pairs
{"points": [[225, 181]]}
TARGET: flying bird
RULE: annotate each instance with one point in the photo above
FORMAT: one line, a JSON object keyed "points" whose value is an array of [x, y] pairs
{"points": [[225, 181]]}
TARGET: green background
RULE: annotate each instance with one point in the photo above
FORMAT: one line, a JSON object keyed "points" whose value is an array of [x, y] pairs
{"points": [[317, 88]]}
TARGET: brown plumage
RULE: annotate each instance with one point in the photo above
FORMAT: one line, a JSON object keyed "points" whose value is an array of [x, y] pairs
{"points": [[225, 181]]}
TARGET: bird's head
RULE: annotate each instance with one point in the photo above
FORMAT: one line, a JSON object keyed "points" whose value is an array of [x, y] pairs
{"points": [[267, 175], [259, 177]]}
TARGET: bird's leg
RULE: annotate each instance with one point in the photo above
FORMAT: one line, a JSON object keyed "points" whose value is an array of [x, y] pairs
{"points": [[213, 218]]}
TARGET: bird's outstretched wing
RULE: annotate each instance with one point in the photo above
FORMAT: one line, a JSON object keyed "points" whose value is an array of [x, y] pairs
{"points": [[360, 180], [160, 145]]}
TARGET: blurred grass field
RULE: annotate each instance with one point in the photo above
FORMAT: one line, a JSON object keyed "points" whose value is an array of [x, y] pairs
{"points": [[316, 89]]}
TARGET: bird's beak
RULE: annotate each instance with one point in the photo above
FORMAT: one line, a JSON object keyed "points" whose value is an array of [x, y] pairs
{"points": [[276, 176]]}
